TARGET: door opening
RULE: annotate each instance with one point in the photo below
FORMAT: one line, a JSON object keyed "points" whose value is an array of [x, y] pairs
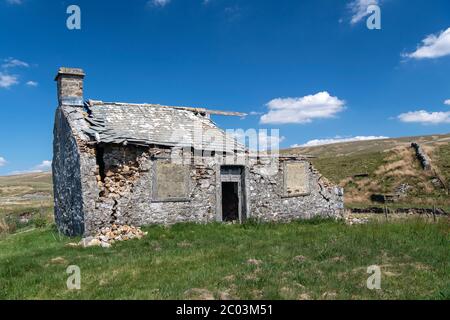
{"points": [[230, 201]]}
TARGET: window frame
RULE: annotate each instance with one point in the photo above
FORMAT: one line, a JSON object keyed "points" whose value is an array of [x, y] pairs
{"points": [[285, 194], [187, 181]]}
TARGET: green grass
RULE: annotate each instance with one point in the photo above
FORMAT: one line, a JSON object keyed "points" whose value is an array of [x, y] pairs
{"points": [[413, 256], [443, 161], [338, 168]]}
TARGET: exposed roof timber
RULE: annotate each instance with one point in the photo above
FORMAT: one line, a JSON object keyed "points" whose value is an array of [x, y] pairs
{"points": [[193, 109]]}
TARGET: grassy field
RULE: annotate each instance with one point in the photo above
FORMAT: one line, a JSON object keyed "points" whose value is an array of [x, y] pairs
{"points": [[302, 260]]}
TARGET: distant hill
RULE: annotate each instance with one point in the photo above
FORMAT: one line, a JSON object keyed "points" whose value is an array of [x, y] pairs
{"points": [[389, 166], [25, 191], [361, 147], [38, 180]]}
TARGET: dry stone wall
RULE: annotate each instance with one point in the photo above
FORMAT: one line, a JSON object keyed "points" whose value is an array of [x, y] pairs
{"points": [[424, 159]]}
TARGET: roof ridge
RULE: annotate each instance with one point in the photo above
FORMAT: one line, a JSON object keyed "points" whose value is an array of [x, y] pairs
{"points": [[192, 109]]}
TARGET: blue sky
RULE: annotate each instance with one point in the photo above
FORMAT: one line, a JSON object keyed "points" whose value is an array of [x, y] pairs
{"points": [[311, 68]]}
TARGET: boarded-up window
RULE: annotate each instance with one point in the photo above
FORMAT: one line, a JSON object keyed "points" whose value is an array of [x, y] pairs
{"points": [[170, 182], [296, 179]]}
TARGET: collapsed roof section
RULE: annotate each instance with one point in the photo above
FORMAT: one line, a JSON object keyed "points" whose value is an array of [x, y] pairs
{"points": [[151, 124]]}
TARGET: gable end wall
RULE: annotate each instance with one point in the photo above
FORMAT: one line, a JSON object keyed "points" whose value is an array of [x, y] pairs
{"points": [[67, 188]]}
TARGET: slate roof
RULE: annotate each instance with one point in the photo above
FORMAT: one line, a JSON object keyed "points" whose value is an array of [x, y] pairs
{"points": [[146, 125]]}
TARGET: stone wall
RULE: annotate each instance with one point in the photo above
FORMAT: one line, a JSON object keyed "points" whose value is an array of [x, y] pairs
{"points": [[424, 159], [66, 178], [118, 183], [118, 189], [268, 201]]}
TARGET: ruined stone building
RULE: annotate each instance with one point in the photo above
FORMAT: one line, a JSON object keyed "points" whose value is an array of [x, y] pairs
{"points": [[142, 164]]}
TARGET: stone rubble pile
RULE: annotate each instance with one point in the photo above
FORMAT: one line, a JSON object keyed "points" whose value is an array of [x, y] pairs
{"points": [[351, 220], [107, 236]]}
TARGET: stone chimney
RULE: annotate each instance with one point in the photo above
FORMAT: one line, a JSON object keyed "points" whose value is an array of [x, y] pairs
{"points": [[70, 86]]}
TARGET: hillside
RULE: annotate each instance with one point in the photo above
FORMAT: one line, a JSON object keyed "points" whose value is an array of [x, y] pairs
{"points": [[27, 190], [390, 166], [25, 200]]}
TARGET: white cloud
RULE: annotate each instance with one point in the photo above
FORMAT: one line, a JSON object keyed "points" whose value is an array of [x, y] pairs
{"points": [[2, 161], [44, 166], [158, 3], [425, 117], [338, 139], [447, 102], [11, 63], [303, 109], [258, 141], [359, 9], [32, 84], [7, 80], [433, 46]]}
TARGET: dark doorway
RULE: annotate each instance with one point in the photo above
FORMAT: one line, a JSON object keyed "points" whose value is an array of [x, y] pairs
{"points": [[230, 201]]}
